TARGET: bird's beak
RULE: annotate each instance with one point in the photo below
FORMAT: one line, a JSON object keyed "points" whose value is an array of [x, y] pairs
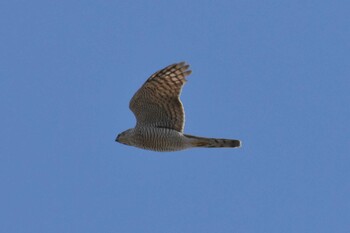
{"points": [[117, 139]]}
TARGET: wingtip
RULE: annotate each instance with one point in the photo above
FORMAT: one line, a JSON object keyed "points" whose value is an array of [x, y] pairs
{"points": [[184, 66]]}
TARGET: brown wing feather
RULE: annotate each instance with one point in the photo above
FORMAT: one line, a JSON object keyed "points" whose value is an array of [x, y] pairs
{"points": [[157, 103]]}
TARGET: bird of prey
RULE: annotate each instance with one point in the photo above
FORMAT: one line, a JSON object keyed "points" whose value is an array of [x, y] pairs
{"points": [[160, 115]]}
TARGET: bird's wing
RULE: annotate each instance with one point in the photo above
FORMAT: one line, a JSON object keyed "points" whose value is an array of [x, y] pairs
{"points": [[157, 103]]}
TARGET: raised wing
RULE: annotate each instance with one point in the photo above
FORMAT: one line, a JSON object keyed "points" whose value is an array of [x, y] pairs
{"points": [[157, 103]]}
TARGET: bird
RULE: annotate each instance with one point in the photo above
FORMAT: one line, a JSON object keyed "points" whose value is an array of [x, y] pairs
{"points": [[160, 115]]}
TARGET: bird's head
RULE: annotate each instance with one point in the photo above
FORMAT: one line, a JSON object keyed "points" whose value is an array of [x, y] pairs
{"points": [[125, 137]]}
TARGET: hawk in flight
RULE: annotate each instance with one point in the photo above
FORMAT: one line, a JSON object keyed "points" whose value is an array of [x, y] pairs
{"points": [[160, 115]]}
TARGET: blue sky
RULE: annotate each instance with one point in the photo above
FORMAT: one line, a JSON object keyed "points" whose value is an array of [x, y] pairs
{"points": [[274, 74]]}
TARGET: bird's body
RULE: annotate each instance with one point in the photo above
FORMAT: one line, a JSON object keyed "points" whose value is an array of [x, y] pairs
{"points": [[163, 139], [157, 139], [160, 115]]}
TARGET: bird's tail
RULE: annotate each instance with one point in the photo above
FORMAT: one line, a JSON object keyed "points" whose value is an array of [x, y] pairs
{"points": [[212, 142]]}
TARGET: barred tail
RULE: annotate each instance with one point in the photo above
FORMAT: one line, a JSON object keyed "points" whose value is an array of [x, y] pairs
{"points": [[212, 142]]}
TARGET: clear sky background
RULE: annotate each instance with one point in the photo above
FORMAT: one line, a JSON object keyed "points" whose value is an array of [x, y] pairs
{"points": [[274, 74]]}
